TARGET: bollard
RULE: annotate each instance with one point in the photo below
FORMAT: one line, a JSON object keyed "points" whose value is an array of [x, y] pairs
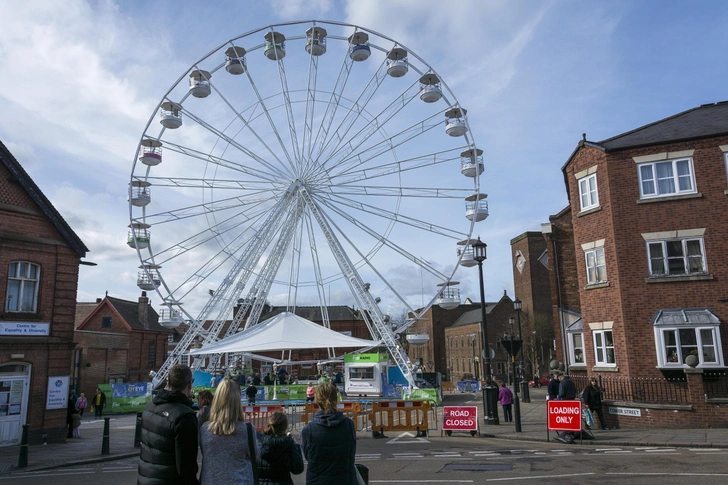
{"points": [[138, 431], [23, 458], [105, 443]]}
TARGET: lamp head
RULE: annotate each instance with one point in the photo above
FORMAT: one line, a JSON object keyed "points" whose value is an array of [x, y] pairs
{"points": [[511, 320], [517, 304], [479, 251]]}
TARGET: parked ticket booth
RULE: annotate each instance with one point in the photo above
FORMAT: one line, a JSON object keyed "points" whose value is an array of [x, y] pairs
{"points": [[366, 374]]}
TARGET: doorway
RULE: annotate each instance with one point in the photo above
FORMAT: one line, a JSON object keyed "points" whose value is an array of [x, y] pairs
{"points": [[14, 386]]}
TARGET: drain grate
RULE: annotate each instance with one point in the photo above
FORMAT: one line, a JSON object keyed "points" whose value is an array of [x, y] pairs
{"points": [[475, 467]]}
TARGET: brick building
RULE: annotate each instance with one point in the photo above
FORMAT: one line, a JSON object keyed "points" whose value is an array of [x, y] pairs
{"points": [[464, 342], [638, 259], [41, 255], [118, 341], [433, 353], [531, 282]]}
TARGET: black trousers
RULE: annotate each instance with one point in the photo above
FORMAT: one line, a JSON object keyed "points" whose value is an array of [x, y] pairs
{"points": [[599, 413]]}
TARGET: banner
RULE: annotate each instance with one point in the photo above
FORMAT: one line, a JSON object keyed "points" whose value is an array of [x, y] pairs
{"points": [[129, 397], [468, 386], [57, 397]]}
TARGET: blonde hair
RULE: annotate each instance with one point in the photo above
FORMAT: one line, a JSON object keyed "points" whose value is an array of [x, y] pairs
{"points": [[277, 424], [226, 410], [326, 396]]}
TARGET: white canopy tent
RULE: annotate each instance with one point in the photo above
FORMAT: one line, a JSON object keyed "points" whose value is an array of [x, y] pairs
{"points": [[285, 331]]}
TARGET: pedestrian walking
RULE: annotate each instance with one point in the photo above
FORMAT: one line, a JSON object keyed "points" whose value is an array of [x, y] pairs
{"points": [[537, 382], [310, 392], [228, 445], [553, 388], [329, 442], [592, 396], [76, 420], [567, 392], [81, 404], [279, 454], [169, 434], [99, 402], [250, 392], [204, 400], [505, 397]]}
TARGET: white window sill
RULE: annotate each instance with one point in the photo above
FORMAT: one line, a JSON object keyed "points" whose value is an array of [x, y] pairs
{"points": [[678, 278], [604, 368], [579, 366], [590, 210], [593, 286], [667, 198]]}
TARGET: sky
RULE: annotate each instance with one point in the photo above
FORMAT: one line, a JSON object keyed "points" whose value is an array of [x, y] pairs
{"points": [[82, 79]]}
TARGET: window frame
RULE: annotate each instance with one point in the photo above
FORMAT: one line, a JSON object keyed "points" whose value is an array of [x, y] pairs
{"points": [[604, 362], [152, 354], [675, 178], [593, 201], [663, 357], [573, 348], [21, 285], [596, 266], [666, 258]]}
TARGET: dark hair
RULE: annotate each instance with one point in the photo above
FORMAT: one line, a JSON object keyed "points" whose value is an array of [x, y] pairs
{"points": [[277, 424], [326, 396], [204, 398], [179, 376]]}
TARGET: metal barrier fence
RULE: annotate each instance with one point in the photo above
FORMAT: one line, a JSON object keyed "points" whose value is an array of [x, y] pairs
{"points": [[716, 386], [638, 390], [258, 415]]}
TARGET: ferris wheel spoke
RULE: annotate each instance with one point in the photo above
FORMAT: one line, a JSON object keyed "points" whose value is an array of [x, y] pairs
{"points": [[233, 143], [308, 117], [271, 122], [375, 125], [222, 162], [323, 302], [399, 166], [333, 103], [295, 266], [289, 113], [379, 191], [390, 143], [251, 186], [205, 208], [331, 142], [393, 216]]}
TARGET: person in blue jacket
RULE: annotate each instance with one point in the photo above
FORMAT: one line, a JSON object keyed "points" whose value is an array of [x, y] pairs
{"points": [[553, 387], [329, 442]]}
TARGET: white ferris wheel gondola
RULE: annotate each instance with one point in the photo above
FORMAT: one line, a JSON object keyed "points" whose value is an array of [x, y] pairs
{"points": [[456, 125], [466, 254], [200, 83], [235, 60], [316, 41], [471, 162], [359, 49], [170, 115], [151, 152], [275, 45], [476, 207], [294, 179], [449, 298], [397, 64]]}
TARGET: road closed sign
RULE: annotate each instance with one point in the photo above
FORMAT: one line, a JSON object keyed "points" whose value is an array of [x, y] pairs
{"points": [[564, 415], [459, 418]]}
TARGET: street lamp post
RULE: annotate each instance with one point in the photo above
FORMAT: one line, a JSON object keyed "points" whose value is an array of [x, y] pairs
{"points": [[517, 305], [516, 402], [490, 392]]}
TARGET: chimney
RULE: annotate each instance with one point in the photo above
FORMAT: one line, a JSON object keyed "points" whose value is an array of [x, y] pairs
{"points": [[98, 300], [143, 309]]}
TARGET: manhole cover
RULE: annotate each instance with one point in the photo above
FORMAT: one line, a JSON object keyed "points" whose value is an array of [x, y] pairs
{"points": [[474, 467]]}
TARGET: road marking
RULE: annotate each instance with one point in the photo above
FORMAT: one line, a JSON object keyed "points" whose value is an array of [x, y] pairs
{"points": [[537, 477], [420, 481], [18, 477], [616, 451], [613, 449], [660, 449], [692, 474], [706, 449], [120, 470], [714, 453], [406, 434]]}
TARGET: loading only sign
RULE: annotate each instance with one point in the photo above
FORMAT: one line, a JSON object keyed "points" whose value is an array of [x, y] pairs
{"points": [[460, 418], [564, 415]]}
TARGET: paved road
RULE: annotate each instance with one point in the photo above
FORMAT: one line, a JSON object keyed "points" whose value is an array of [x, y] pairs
{"points": [[462, 459]]}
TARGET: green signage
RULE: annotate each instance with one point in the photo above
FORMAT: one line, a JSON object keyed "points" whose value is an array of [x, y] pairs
{"points": [[349, 358]]}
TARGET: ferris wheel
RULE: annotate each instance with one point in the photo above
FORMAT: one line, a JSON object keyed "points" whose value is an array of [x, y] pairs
{"points": [[305, 164]]}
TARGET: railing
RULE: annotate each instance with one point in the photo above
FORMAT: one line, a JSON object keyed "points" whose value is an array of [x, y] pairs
{"points": [[716, 386], [638, 389]]}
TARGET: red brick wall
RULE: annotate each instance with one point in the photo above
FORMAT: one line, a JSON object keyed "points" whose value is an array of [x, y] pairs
{"points": [[105, 352]]}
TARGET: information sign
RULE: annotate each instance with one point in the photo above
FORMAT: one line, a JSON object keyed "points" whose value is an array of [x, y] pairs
{"points": [[57, 397], [564, 415], [460, 418]]}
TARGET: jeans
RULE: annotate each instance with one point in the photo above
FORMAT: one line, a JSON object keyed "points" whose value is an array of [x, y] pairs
{"points": [[507, 414], [97, 411]]}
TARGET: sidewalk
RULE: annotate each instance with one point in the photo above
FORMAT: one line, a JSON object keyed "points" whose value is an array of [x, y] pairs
{"points": [[81, 451]]}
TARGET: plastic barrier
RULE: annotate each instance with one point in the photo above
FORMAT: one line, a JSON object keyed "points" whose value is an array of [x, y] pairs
{"points": [[399, 416], [351, 410], [448, 386], [258, 415]]}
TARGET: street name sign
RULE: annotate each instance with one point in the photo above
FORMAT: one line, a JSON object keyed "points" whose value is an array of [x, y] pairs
{"points": [[564, 415]]}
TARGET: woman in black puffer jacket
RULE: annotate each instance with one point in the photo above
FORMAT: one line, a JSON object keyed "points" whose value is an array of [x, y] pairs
{"points": [[279, 454]]}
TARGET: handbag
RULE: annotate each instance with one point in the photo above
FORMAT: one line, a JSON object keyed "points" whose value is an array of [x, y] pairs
{"points": [[588, 417], [251, 447]]}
